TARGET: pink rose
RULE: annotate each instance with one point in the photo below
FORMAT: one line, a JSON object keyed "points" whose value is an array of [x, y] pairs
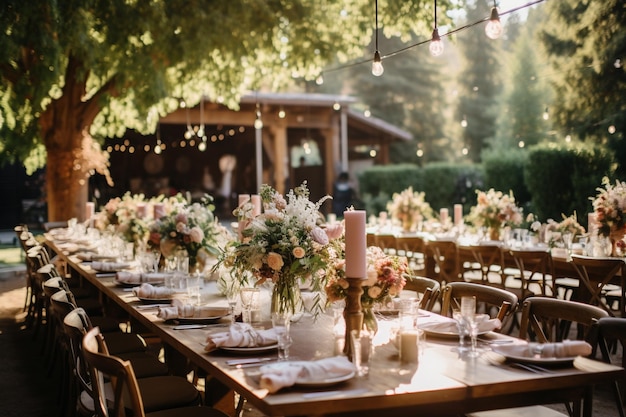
{"points": [[319, 235], [275, 261], [196, 234], [334, 231], [374, 292]]}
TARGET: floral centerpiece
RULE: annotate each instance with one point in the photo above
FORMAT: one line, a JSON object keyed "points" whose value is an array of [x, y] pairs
{"points": [[385, 278], [123, 216], [495, 210], [610, 209], [191, 227], [568, 226], [409, 208], [287, 246]]}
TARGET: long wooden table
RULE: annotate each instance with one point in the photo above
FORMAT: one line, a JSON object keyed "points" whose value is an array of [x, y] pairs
{"points": [[441, 384]]}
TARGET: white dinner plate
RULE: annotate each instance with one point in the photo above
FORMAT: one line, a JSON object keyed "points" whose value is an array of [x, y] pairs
{"points": [[210, 317], [166, 300], [249, 350], [529, 358], [431, 330], [326, 381]]}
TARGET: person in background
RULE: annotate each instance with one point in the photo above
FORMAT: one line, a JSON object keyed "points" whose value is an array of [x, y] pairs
{"points": [[343, 194]]}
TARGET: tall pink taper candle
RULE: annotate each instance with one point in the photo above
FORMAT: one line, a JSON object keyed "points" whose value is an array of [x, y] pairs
{"points": [[158, 210], [356, 247], [458, 214]]}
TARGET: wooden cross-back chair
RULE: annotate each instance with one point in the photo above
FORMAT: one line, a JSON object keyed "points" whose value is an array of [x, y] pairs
{"points": [[596, 275], [428, 290], [503, 302], [127, 392], [534, 267]]}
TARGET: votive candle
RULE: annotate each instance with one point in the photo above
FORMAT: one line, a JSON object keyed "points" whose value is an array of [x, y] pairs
{"points": [[356, 247]]}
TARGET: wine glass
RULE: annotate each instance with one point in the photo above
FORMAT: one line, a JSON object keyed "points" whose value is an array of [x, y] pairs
{"points": [[461, 328], [248, 296], [232, 296]]}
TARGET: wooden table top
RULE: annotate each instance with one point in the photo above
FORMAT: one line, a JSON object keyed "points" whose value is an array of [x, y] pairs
{"points": [[441, 384]]}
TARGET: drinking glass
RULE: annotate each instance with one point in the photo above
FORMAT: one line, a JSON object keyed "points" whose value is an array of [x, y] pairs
{"points": [[232, 296], [362, 350], [249, 297], [462, 329], [468, 313], [281, 322]]}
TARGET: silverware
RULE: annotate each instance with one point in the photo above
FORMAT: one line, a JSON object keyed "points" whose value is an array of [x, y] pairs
{"points": [[189, 326], [530, 367]]}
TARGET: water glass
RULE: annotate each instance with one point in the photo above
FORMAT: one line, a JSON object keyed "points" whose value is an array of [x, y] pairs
{"points": [[468, 313], [362, 350], [232, 296], [461, 326], [281, 323], [194, 283], [249, 299]]}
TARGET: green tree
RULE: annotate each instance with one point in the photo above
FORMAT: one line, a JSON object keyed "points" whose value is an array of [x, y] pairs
{"points": [[77, 70], [479, 83], [525, 96], [586, 43]]}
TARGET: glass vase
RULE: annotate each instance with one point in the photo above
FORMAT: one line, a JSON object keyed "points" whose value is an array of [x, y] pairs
{"points": [[286, 296], [369, 320]]}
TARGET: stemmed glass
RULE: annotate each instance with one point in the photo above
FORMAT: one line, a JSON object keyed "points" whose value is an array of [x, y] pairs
{"points": [[232, 296], [468, 313], [249, 296], [462, 329]]}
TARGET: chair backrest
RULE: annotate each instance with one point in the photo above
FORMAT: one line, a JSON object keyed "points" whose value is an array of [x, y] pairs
{"points": [[534, 266], [444, 253], [386, 242], [489, 259], [120, 373], [428, 289], [610, 329], [492, 298], [594, 274], [549, 319]]}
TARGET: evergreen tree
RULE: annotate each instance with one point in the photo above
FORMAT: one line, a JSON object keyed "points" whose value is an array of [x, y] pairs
{"points": [[479, 82], [586, 43]]}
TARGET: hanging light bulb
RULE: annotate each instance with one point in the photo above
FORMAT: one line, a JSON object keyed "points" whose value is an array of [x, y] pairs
{"points": [[319, 80], [494, 30], [377, 65], [546, 115], [436, 44]]}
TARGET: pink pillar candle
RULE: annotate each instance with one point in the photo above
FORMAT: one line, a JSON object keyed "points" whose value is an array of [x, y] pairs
{"points": [[256, 204], [458, 214], [356, 247], [159, 210], [90, 210], [141, 210], [243, 199], [591, 222], [443, 215]]}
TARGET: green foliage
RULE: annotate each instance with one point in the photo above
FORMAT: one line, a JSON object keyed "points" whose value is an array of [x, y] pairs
{"points": [[443, 184], [107, 65], [504, 171], [563, 177], [583, 41]]}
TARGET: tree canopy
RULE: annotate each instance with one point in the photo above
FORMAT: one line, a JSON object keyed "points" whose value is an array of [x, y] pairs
{"points": [[73, 70]]}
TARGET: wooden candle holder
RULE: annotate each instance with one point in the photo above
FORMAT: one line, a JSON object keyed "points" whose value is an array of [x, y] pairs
{"points": [[352, 314]]}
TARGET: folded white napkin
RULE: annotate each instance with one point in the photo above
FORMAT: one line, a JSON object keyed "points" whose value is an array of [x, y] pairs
{"points": [[180, 309], [241, 335], [565, 349], [146, 290], [277, 376], [485, 324], [108, 266], [128, 277]]}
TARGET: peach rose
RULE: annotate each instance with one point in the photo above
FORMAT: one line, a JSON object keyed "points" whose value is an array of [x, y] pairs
{"points": [[275, 261], [196, 234], [374, 292], [334, 231], [298, 252]]}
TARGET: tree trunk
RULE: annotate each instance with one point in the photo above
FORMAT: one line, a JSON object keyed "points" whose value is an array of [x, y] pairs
{"points": [[66, 187]]}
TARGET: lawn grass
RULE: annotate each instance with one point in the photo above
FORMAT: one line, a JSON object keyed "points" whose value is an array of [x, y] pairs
{"points": [[10, 255]]}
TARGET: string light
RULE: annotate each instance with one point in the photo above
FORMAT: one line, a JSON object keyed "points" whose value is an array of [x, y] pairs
{"points": [[546, 115], [258, 123], [493, 29], [377, 65], [436, 44]]}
